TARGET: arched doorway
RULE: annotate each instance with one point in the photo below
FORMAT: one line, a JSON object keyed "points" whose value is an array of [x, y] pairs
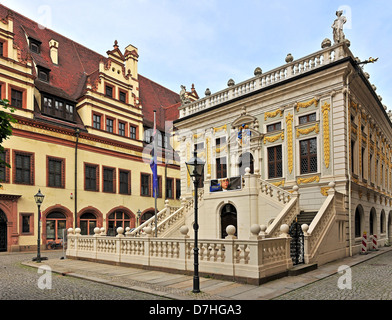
{"points": [[246, 161], [3, 232], [55, 226], [228, 217], [88, 222]]}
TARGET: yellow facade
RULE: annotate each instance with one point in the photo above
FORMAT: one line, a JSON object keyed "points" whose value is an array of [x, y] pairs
{"points": [[74, 148]]}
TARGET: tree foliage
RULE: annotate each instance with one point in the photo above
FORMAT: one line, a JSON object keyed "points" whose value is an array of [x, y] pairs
{"points": [[6, 121]]}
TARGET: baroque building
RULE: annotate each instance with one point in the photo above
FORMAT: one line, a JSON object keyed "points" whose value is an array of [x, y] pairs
{"points": [[313, 130], [83, 136]]}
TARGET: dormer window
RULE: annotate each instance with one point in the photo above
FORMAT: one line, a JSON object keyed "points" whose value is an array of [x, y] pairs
{"points": [[35, 45], [43, 74]]}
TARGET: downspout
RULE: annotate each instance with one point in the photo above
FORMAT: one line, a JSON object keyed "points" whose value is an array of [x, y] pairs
{"points": [[348, 161], [77, 131]]}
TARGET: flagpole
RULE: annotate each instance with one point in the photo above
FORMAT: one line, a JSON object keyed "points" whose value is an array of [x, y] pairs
{"points": [[156, 164]]}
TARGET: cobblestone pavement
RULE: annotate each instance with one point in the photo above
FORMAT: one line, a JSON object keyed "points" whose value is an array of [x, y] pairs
{"points": [[370, 280], [18, 282]]}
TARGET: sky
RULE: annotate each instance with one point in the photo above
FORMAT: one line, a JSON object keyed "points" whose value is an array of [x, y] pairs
{"points": [[208, 42]]}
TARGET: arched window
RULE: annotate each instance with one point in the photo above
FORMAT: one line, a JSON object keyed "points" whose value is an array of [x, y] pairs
{"points": [[55, 226], [382, 221], [146, 216], [372, 221], [118, 219], [358, 218], [88, 221], [246, 161]]}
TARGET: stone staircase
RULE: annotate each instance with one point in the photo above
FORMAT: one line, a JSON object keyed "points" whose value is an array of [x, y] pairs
{"points": [[306, 217]]}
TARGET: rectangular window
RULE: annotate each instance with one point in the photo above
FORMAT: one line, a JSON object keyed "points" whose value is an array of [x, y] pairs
{"points": [[70, 112], [308, 155], [16, 98], [275, 162], [274, 127], [123, 96], [108, 180], [23, 168], [26, 224], [109, 91], [147, 135], [109, 125], [308, 118], [121, 129], [220, 141], [178, 189], [55, 173], [145, 185], [125, 182], [199, 146], [221, 168], [4, 170], [132, 132], [352, 155], [96, 121], [91, 177], [2, 49], [169, 188], [363, 163]]}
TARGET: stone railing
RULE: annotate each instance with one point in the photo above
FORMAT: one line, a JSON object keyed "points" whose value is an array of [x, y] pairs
{"points": [[241, 260], [315, 233], [286, 216], [290, 70], [274, 192]]}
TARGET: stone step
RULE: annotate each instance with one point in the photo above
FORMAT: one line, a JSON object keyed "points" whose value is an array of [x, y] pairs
{"points": [[301, 269]]}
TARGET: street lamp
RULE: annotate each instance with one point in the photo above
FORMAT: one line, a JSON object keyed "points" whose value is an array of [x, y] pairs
{"points": [[39, 198], [195, 168]]}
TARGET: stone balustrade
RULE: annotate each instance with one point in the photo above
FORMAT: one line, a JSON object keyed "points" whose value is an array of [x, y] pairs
{"points": [[243, 260], [263, 80]]}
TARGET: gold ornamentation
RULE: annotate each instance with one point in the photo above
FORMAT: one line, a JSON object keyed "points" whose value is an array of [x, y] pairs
{"points": [[325, 110], [278, 184], [220, 128], [308, 180], [324, 191], [272, 114], [221, 149], [274, 138], [289, 126], [197, 136], [208, 142], [315, 128], [307, 104]]}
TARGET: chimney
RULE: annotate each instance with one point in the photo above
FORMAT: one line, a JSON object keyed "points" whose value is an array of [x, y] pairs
{"points": [[54, 48]]}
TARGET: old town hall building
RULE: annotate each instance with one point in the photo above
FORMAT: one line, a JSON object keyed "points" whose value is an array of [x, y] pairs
{"points": [[83, 122]]}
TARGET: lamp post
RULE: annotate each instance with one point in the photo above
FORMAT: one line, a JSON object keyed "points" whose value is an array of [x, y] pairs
{"points": [[195, 168], [39, 198]]}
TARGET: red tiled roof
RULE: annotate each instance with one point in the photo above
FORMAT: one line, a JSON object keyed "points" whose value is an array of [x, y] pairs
{"points": [[76, 62], [156, 97]]}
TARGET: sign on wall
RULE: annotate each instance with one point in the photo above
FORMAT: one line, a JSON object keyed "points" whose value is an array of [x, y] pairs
{"points": [[226, 184]]}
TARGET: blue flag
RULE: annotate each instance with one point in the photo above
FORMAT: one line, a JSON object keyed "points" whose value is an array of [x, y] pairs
{"points": [[154, 162], [154, 168]]}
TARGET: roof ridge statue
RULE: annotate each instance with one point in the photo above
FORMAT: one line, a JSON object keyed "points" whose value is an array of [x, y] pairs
{"points": [[338, 35]]}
